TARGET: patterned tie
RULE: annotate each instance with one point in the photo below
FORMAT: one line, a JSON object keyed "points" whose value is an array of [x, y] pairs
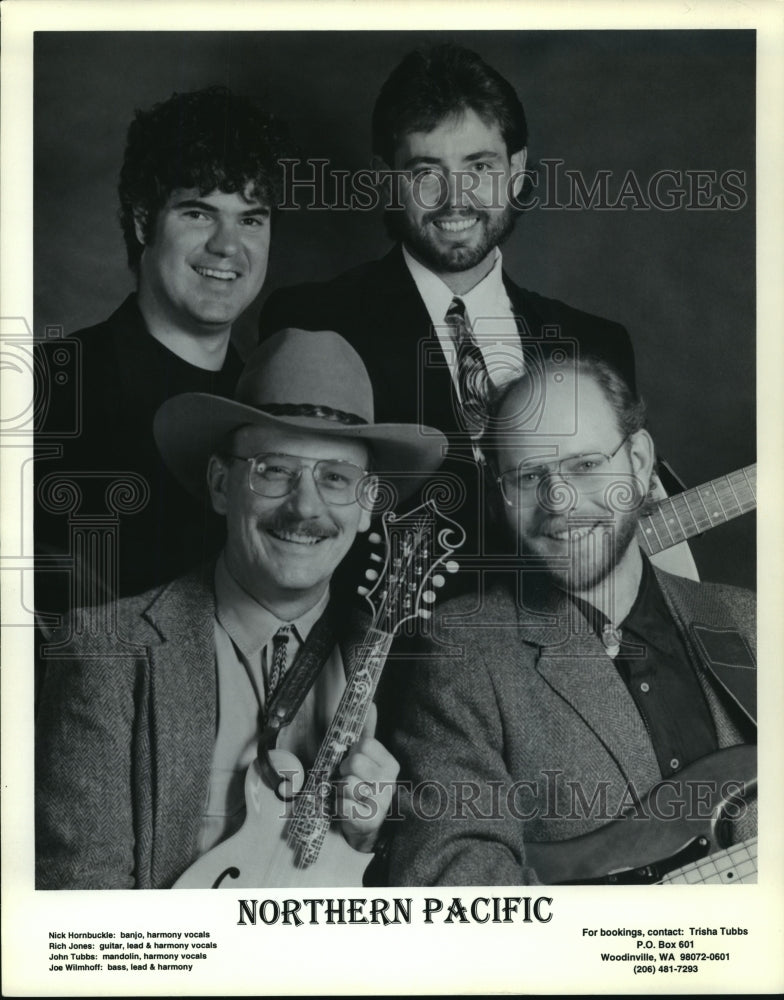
{"points": [[472, 377], [280, 656]]}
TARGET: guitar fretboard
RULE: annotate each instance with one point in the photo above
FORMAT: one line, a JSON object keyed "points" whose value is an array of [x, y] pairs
{"points": [[736, 864], [694, 511]]}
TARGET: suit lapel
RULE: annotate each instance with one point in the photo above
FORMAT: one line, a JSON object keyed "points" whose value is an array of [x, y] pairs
{"points": [[573, 662], [528, 319], [183, 723], [421, 376], [702, 622], [587, 680]]}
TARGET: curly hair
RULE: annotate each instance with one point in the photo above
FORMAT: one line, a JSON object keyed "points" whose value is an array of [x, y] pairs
{"points": [[209, 139], [432, 84]]}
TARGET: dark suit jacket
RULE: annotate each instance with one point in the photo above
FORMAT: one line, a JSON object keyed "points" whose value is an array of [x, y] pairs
{"points": [[124, 741], [517, 696], [378, 309]]}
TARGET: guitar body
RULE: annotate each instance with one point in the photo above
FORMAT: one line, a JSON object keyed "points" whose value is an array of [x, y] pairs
{"points": [[665, 845], [259, 856]]}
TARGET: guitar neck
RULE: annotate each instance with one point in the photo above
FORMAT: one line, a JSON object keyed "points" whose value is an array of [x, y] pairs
{"points": [[734, 866], [696, 510]]}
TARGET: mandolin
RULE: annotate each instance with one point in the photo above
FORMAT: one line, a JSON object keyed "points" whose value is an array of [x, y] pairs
{"points": [[289, 837]]}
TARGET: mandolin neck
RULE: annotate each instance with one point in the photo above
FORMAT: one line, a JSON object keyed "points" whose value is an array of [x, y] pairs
{"points": [[312, 815]]}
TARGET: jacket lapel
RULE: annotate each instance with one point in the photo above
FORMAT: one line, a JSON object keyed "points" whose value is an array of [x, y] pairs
{"points": [[720, 654], [529, 322], [183, 719], [573, 662], [421, 376]]}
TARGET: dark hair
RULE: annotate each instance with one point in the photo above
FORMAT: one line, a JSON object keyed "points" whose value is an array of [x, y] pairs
{"points": [[208, 139], [432, 84], [628, 407]]}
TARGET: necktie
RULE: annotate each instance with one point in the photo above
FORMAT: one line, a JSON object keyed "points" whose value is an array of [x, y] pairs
{"points": [[280, 655], [472, 378]]}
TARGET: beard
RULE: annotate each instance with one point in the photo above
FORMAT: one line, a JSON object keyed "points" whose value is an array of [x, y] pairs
{"points": [[592, 558], [422, 242]]}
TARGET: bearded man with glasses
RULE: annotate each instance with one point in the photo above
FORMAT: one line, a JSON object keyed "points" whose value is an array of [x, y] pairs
{"points": [[590, 676], [145, 734]]}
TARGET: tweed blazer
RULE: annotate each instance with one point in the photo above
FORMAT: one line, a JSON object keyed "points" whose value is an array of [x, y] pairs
{"points": [[124, 740], [504, 697]]}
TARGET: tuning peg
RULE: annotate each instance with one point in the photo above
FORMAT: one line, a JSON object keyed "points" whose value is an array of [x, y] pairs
{"points": [[425, 613], [438, 580], [363, 591], [371, 574], [375, 557], [374, 538], [428, 596], [451, 566]]}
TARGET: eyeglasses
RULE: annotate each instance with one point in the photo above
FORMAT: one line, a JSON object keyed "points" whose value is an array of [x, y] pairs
{"points": [[276, 475], [524, 485]]}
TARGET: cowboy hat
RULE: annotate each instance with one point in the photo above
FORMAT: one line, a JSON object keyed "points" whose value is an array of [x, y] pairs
{"points": [[311, 381]]}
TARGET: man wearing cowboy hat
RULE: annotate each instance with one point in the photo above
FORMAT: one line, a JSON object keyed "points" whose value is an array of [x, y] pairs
{"points": [[144, 735]]}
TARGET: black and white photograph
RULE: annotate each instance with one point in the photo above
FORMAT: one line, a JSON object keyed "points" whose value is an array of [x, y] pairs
{"points": [[380, 501]]}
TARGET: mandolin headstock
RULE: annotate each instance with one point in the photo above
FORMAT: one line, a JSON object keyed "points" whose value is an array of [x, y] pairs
{"points": [[417, 546]]}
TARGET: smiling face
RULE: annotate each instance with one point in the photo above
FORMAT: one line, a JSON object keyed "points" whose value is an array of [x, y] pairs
{"points": [[206, 261], [582, 537], [457, 206], [284, 550]]}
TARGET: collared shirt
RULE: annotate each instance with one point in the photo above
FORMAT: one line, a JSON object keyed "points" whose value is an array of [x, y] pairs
{"points": [[655, 666], [243, 632], [489, 312]]}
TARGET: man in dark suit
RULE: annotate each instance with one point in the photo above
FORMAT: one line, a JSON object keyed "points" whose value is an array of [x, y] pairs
{"points": [[452, 130], [588, 677], [198, 185]]}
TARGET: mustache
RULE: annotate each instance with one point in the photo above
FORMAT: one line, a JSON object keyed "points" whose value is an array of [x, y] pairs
{"points": [[310, 529]]}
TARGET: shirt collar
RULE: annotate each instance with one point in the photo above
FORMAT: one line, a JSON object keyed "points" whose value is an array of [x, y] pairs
{"points": [[598, 620], [482, 300], [249, 624]]}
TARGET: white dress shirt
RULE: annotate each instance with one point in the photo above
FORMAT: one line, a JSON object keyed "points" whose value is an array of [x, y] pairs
{"points": [[489, 313]]}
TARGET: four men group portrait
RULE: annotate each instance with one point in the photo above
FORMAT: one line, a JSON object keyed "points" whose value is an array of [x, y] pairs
{"points": [[390, 611]]}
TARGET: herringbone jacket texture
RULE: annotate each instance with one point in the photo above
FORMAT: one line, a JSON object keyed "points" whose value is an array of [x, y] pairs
{"points": [[124, 740], [509, 697]]}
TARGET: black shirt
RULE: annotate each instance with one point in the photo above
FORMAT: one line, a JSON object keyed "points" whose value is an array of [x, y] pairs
{"points": [[100, 418], [657, 670]]}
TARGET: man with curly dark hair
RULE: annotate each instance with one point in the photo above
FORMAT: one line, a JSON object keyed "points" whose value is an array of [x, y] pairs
{"points": [[198, 189]]}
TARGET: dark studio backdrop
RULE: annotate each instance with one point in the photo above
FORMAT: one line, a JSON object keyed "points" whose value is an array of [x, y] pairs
{"points": [[681, 280]]}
